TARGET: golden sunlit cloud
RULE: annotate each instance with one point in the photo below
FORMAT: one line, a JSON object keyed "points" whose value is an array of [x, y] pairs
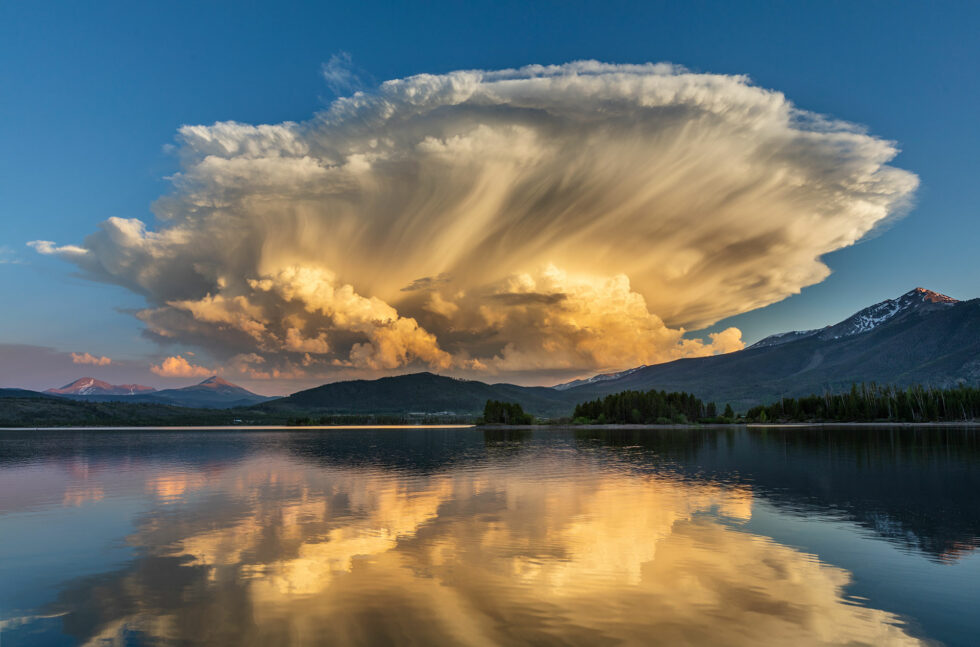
{"points": [[533, 222], [177, 366], [88, 358]]}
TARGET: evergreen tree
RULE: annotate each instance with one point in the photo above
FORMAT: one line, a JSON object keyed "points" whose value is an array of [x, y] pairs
{"points": [[505, 413], [876, 403], [644, 408]]}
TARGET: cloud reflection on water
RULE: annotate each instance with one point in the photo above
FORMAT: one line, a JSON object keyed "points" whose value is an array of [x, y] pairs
{"points": [[532, 548]]}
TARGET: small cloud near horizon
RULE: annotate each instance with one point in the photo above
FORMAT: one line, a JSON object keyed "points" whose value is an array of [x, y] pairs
{"points": [[177, 366], [87, 358]]}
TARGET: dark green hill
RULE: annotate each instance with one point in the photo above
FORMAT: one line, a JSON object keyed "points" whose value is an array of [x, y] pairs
{"points": [[40, 410], [24, 393], [418, 393]]}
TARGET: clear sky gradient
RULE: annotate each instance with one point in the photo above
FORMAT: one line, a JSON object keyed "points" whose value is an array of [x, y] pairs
{"points": [[93, 93]]}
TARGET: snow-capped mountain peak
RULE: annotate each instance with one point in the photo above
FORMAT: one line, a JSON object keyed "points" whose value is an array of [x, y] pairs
{"points": [[92, 386], [923, 294], [866, 320]]}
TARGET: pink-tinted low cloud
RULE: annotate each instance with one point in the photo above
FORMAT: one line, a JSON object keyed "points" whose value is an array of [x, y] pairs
{"points": [[177, 366], [88, 358]]}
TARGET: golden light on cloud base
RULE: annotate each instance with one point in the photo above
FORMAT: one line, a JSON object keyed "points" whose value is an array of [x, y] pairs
{"points": [[520, 222]]}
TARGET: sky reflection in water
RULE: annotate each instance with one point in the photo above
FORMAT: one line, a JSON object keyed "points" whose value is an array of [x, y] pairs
{"points": [[468, 537]]}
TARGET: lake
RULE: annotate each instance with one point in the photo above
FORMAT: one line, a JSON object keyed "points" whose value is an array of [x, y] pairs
{"points": [[731, 536]]}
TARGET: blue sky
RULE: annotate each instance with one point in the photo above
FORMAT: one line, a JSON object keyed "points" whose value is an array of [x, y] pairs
{"points": [[93, 93]]}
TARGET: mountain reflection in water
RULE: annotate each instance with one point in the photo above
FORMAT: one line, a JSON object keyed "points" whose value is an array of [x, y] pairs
{"points": [[470, 537]]}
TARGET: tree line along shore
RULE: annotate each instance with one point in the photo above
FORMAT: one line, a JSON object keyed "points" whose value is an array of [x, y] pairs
{"points": [[863, 403]]}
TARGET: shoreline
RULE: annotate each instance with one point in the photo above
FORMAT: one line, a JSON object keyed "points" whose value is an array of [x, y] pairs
{"points": [[563, 427], [236, 427], [964, 423], [749, 425]]}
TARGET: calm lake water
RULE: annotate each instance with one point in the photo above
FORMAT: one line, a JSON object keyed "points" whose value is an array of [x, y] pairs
{"points": [[470, 537]]}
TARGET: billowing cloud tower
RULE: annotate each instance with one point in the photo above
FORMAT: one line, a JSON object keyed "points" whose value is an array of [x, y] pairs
{"points": [[542, 221]]}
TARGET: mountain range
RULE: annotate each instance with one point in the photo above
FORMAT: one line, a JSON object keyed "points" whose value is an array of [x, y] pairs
{"points": [[212, 393], [921, 337], [416, 393], [91, 386]]}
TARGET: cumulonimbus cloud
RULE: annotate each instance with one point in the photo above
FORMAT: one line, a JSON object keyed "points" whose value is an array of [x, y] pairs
{"points": [[549, 219]]}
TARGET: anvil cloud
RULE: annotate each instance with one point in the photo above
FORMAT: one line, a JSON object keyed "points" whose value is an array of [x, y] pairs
{"points": [[536, 222]]}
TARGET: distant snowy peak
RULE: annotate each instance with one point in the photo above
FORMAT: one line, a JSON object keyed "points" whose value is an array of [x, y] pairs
{"points": [[929, 296], [92, 386], [213, 392], [604, 377], [917, 300]]}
